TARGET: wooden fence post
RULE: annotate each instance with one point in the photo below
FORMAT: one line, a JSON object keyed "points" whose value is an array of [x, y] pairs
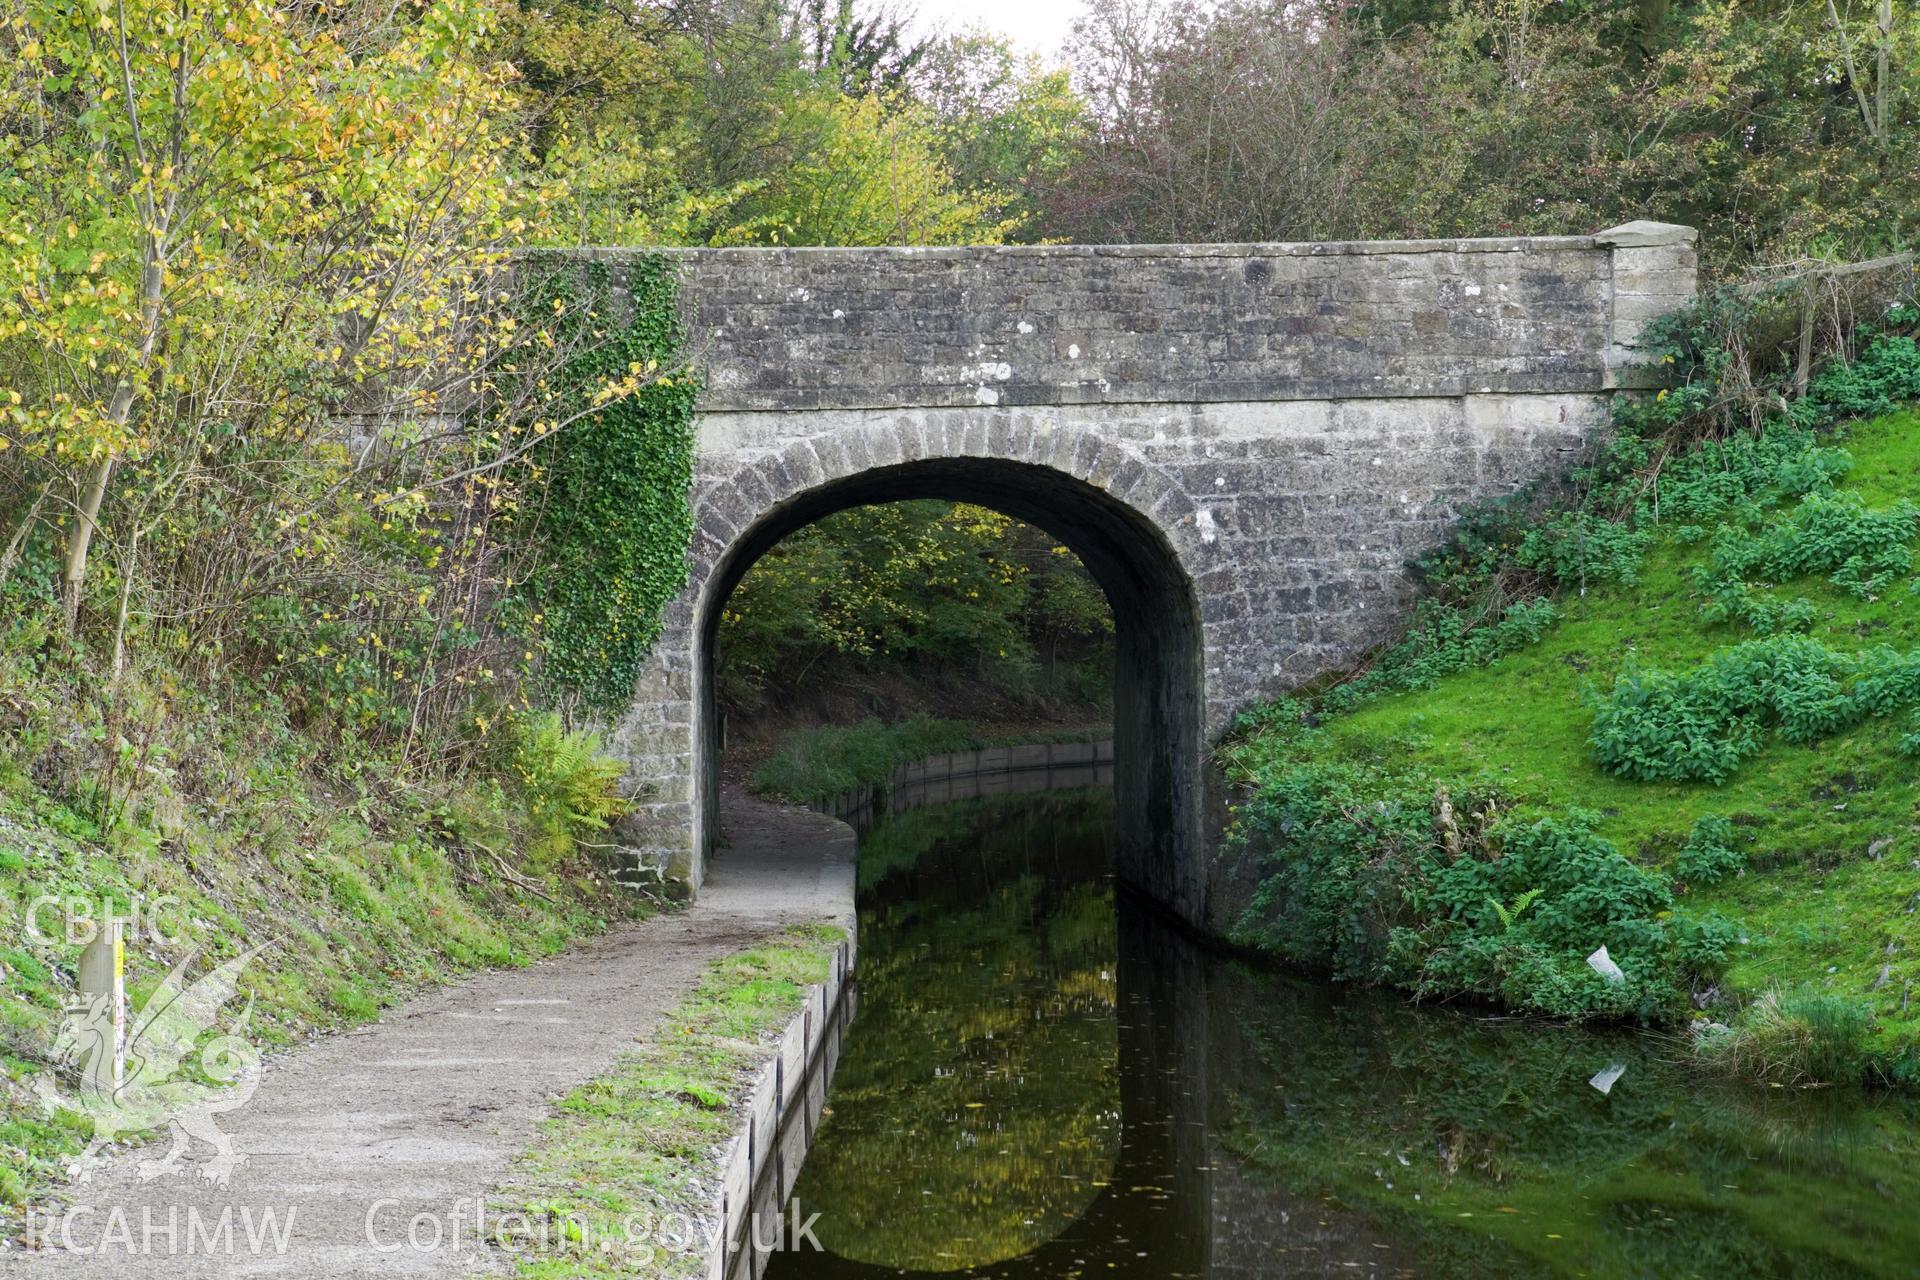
{"points": [[103, 985]]}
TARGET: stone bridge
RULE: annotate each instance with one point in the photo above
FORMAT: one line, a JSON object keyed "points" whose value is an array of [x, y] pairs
{"points": [[1244, 443]]}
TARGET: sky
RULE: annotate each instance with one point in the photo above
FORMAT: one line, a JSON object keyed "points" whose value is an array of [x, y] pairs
{"points": [[1040, 25]]}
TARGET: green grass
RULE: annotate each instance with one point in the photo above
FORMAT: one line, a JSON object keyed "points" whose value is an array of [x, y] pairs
{"points": [[1820, 913], [630, 1157], [362, 884], [820, 763]]}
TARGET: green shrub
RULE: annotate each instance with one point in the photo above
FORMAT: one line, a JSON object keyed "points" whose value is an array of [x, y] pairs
{"points": [[1398, 881], [1579, 548], [1800, 1037], [1834, 535], [1703, 943], [1886, 374], [1737, 602], [1373, 874], [1484, 538], [1595, 525], [1739, 477], [1709, 856], [1677, 459], [1701, 724], [1280, 716]]}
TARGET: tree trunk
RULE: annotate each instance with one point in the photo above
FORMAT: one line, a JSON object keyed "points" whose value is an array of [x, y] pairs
{"points": [[73, 568], [1882, 71], [11, 556], [126, 603]]}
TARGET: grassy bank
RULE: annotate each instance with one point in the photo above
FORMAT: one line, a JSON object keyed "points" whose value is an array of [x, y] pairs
{"points": [[222, 831], [820, 763], [626, 1167], [1701, 754]]}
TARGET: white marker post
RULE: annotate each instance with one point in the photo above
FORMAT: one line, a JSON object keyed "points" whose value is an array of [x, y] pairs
{"points": [[103, 973]]}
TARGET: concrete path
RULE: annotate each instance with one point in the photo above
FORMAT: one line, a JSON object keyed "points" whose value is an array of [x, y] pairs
{"points": [[421, 1113]]}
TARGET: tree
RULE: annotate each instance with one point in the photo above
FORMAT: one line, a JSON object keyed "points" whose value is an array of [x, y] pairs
{"points": [[859, 52], [1232, 122], [1780, 130], [206, 203], [1005, 121], [769, 121], [869, 171]]}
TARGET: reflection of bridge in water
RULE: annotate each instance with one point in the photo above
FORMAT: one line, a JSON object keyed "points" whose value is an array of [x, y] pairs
{"points": [[1179, 1202]]}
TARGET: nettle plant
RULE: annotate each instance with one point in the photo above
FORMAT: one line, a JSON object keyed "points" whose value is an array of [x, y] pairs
{"points": [[1403, 882], [1669, 464], [1702, 724], [1710, 854], [1831, 535], [1672, 460]]}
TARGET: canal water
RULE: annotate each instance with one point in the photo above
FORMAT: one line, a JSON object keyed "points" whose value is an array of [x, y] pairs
{"points": [[1047, 1080]]}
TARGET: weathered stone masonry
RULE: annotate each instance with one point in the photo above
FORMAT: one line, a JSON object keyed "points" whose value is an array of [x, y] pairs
{"points": [[1246, 443]]}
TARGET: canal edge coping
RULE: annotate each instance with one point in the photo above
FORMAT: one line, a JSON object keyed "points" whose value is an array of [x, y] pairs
{"points": [[763, 1158]]}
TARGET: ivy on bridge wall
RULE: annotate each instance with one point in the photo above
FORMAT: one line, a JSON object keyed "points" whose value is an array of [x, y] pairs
{"points": [[611, 520]]}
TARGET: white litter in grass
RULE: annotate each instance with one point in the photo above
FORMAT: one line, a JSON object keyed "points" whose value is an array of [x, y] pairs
{"points": [[1604, 966]]}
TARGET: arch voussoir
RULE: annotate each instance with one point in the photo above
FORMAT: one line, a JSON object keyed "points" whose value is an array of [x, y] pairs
{"points": [[883, 446], [713, 520], [911, 430], [836, 462], [803, 464], [772, 482], [747, 490]]}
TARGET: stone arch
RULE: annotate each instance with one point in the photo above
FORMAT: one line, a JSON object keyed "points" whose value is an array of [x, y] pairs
{"points": [[1130, 523]]}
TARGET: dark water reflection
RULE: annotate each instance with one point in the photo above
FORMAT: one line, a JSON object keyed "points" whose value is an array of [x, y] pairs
{"points": [[1043, 1082]]}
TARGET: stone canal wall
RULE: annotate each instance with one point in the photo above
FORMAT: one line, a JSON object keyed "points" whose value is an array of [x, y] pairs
{"points": [[772, 1141], [988, 771]]}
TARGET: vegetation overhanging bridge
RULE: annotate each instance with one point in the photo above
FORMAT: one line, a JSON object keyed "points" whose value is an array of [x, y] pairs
{"points": [[1244, 443]]}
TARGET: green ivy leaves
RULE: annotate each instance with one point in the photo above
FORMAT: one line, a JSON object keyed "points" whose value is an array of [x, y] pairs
{"points": [[612, 524]]}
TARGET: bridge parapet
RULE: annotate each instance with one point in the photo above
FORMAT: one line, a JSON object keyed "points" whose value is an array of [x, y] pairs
{"points": [[816, 329]]}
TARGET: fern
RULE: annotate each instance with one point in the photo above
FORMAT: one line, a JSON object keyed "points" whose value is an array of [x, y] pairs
{"points": [[569, 787], [1519, 908]]}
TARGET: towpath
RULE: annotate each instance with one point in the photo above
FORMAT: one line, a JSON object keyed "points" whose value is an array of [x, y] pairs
{"points": [[420, 1114]]}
